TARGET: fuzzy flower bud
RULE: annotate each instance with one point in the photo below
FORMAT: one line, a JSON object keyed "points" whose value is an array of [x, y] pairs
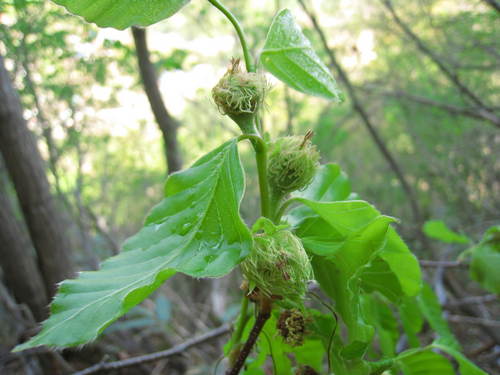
{"points": [[240, 95], [278, 266], [293, 161]]}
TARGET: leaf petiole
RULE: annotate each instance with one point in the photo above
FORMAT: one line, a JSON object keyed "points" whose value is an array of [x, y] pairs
{"points": [[239, 30], [260, 148]]}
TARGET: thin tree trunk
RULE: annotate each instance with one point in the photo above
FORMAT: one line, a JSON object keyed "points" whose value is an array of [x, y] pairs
{"points": [[494, 4], [21, 273], [363, 113], [168, 125], [26, 168]]}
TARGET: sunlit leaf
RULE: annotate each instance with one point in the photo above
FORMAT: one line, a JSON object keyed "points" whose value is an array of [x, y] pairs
{"points": [[121, 14], [289, 56], [196, 229], [330, 184]]}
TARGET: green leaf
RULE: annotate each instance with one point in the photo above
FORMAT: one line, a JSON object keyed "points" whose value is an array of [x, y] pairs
{"points": [[402, 263], [379, 314], [196, 229], [411, 319], [465, 366], [353, 247], [485, 261], [121, 14], [438, 230], [289, 56], [378, 277], [431, 309], [329, 184], [424, 362], [346, 217]]}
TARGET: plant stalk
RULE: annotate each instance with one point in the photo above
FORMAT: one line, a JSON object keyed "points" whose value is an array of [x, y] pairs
{"points": [[261, 158], [239, 30], [238, 333]]}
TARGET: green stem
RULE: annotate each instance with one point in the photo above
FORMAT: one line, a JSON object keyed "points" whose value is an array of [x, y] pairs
{"points": [[239, 30], [281, 211], [242, 322], [261, 158]]}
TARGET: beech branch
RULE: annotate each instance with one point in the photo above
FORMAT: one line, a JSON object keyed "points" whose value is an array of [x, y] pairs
{"points": [[451, 75], [176, 350], [472, 112]]}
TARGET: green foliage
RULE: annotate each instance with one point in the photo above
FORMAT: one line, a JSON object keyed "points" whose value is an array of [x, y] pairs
{"points": [[359, 260], [438, 230], [485, 260], [431, 309], [289, 56], [424, 362], [122, 14], [196, 229]]}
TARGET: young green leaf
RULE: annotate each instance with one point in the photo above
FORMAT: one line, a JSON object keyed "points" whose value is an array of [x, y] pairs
{"points": [[347, 217], [438, 230], [411, 319], [485, 261], [289, 56], [121, 14], [424, 362], [431, 309], [379, 314], [348, 239], [330, 184], [196, 229], [465, 366]]}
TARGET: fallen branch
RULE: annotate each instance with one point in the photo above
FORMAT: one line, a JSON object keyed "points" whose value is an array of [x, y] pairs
{"points": [[134, 361]]}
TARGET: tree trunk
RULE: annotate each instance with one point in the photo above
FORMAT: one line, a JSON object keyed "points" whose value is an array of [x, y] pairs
{"points": [[26, 169], [168, 125], [21, 273]]}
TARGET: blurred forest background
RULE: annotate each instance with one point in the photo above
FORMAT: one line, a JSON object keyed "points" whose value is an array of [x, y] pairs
{"points": [[418, 136]]}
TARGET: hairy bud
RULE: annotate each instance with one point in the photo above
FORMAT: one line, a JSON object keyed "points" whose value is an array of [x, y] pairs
{"points": [[292, 164], [278, 267], [240, 95], [292, 327]]}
